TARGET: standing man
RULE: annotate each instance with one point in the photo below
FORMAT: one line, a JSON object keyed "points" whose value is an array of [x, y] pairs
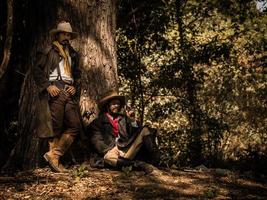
{"points": [[56, 75], [116, 137]]}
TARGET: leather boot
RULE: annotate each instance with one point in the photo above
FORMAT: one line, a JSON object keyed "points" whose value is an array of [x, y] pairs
{"points": [[50, 156], [52, 143], [152, 148], [54, 155], [64, 143], [53, 159], [124, 162]]}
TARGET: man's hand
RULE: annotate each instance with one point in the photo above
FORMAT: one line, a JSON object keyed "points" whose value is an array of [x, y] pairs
{"points": [[71, 90], [131, 115], [53, 90]]}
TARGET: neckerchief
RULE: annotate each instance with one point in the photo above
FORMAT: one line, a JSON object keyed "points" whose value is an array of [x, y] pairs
{"points": [[115, 124], [65, 55]]}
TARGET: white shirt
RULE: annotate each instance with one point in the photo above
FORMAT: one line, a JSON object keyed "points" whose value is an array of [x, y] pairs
{"points": [[54, 75]]}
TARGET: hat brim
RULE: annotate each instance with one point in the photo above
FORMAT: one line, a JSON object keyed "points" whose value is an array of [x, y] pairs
{"points": [[73, 34], [103, 102]]}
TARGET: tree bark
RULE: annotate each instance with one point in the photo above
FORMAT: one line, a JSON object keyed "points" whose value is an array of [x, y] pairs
{"points": [[94, 20], [98, 49], [8, 42]]}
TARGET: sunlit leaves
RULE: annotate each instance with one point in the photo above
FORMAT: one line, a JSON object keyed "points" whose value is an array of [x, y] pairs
{"points": [[224, 45]]}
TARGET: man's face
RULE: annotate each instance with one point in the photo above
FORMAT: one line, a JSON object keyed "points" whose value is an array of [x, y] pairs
{"points": [[64, 38], [114, 106]]}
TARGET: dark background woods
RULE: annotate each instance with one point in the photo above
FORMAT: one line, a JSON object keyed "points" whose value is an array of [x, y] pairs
{"points": [[195, 70]]}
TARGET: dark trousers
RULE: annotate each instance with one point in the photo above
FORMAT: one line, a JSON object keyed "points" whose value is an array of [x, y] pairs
{"points": [[112, 156], [65, 114]]}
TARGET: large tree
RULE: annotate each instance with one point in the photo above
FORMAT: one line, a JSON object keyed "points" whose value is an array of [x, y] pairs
{"points": [[95, 23]]}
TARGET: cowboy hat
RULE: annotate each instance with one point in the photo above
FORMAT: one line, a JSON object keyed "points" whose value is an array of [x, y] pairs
{"points": [[110, 96], [64, 27]]}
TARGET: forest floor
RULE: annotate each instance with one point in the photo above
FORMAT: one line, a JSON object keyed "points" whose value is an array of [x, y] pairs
{"points": [[86, 183]]}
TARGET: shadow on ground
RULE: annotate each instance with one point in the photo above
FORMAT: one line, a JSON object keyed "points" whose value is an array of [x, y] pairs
{"points": [[91, 183]]}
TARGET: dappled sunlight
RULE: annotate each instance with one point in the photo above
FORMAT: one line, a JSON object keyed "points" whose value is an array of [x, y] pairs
{"points": [[109, 184]]}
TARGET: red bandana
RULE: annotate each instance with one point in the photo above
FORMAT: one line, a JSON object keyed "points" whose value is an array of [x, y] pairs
{"points": [[114, 123]]}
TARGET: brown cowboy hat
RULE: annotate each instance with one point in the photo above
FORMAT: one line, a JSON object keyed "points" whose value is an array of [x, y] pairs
{"points": [[64, 27], [110, 96]]}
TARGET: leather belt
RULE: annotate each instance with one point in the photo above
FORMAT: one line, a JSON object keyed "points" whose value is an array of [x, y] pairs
{"points": [[62, 85]]}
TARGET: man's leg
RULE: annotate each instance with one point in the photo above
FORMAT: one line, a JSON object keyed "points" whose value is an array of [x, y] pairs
{"points": [[52, 156], [63, 145], [152, 149], [112, 156], [52, 143], [126, 159], [67, 113], [72, 122], [135, 147], [57, 107]]}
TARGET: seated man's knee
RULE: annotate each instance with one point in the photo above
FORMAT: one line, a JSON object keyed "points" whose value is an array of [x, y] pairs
{"points": [[107, 156], [145, 131], [111, 157]]}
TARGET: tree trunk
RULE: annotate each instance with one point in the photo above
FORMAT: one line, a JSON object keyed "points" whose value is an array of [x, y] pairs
{"points": [[8, 42], [195, 145], [94, 20], [98, 49]]}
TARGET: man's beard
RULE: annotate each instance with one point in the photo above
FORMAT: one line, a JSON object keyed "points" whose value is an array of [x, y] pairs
{"points": [[65, 43], [114, 111]]}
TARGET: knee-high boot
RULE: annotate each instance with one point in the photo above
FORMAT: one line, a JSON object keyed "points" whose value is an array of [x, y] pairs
{"points": [[57, 151], [150, 143], [124, 162], [52, 143]]}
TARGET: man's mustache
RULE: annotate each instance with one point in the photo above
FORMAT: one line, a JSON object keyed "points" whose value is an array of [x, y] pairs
{"points": [[66, 41]]}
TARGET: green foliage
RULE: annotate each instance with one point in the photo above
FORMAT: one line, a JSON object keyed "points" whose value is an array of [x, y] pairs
{"points": [[127, 171], [198, 71], [80, 172], [211, 192]]}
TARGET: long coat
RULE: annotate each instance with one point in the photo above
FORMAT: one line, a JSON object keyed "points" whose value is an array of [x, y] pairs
{"points": [[47, 61], [102, 138]]}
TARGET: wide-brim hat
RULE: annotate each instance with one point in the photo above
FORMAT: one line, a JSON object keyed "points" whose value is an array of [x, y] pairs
{"points": [[111, 95], [64, 27]]}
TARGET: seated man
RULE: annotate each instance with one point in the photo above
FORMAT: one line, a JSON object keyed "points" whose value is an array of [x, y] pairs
{"points": [[117, 137]]}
